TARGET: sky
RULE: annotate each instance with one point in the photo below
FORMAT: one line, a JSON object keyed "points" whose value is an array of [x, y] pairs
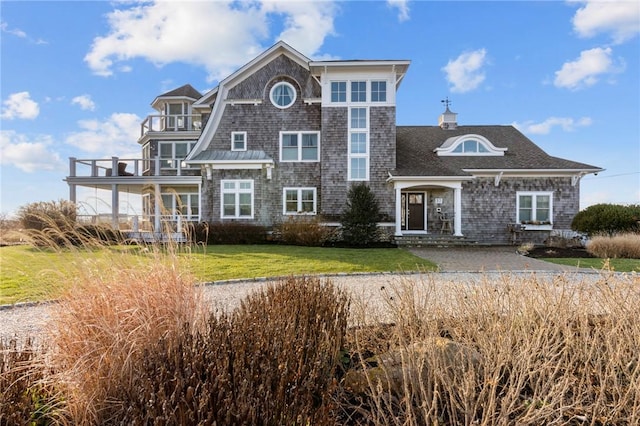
{"points": [[78, 77]]}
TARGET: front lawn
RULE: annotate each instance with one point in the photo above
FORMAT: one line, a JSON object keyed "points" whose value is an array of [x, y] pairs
{"points": [[617, 265], [28, 274]]}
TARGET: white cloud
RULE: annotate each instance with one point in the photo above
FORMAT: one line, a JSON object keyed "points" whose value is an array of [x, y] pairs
{"points": [[29, 155], [584, 71], [403, 8], [619, 18], [108, 137], [85, 102], [565, 123], [221, 35], [465, 72], [4, 27], [20, 105]]}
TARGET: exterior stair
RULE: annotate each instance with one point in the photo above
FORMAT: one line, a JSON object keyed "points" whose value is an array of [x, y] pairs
{"points": [[434, 240]]}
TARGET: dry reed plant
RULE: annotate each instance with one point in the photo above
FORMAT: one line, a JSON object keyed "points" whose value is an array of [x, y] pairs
{"points": [[509, 350], [615, 246]]}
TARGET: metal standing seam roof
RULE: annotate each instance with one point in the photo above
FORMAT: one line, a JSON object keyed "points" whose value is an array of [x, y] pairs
{"points": [[415, 154], [217, 156]]}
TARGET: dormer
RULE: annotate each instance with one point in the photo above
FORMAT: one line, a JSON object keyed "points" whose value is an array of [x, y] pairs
{"points": [[448, 120], [469, 145]]}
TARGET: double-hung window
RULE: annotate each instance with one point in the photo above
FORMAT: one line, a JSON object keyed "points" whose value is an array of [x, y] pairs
{"points": [[358, 144], [238, 141], [237, 199], [181, 202], [299, 201], [535, 208], [299, 146]]}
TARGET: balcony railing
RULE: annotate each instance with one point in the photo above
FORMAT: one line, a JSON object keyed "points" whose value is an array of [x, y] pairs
{"points": [[171, 123], [116, 166]]}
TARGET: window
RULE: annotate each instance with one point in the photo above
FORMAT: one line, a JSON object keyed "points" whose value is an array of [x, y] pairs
{"points": [[237, 199], [338, 91], [299, 200], [358, 168], [358, 91], [358, 118], [238, 141], [146, 157], [176, 113], [470, 146], [172, 153], [299, 146], [183, 202], [378, 91], [283, 95], [535, 209]]}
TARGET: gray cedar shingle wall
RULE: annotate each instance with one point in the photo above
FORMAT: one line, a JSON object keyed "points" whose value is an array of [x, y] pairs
{"points": [[487, 209], [263, 124]]}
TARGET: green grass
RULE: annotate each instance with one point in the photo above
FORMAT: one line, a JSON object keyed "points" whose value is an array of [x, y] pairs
{"points": [[27, 274], [618, 265]]}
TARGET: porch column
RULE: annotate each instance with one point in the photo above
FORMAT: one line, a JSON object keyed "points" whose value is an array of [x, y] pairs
{"points": [[158, 208], [115, 205], [72, 173], [457, 208], [398, 211]]}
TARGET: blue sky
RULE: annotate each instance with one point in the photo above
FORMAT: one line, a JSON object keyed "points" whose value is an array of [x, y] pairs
{"points": [[77, 78]]}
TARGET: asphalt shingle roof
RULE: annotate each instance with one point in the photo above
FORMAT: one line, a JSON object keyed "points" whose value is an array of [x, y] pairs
{"points": [[187, 91], [415, 154]]}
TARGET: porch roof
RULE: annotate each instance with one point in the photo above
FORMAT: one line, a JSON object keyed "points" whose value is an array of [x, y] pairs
{"points": [[415, 154], [217, 156]]}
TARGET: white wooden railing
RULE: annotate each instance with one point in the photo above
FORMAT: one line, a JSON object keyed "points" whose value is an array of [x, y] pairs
{"points": [[102, 167], [171, 123]]}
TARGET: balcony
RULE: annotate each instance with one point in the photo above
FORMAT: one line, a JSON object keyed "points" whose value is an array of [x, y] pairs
{"points": [[116, 167], [171, 123]]}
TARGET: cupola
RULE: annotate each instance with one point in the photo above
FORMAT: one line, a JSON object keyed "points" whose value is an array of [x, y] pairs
{"points": [[447, 120]]}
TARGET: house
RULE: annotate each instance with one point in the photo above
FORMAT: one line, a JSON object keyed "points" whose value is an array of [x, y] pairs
{"points": [[285, 136]]}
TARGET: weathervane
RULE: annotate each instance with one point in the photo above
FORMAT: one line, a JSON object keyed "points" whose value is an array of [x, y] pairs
{"points": [[446, 102]]}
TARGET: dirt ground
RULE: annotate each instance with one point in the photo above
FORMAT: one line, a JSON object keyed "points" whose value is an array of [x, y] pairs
{"points": [[577, 252]]}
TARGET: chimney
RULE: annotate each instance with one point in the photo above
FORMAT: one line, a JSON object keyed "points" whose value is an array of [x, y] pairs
{"points": [[448, 119]]}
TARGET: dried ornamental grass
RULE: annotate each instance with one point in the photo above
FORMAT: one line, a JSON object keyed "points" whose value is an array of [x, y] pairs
{"points": [[616, 246]]}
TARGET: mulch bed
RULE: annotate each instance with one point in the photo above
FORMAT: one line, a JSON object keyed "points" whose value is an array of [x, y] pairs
{"points": [[575, 252]]}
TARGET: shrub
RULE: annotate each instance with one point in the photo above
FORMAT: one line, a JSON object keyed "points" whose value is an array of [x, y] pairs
{"points": [[227, 233], [270, 362], [302, 231], [41, 216], [616, 246], [360, 217], [607, 218], [23, 397]]}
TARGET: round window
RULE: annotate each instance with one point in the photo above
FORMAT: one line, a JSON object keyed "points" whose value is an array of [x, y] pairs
{"points": [[283, 95]]}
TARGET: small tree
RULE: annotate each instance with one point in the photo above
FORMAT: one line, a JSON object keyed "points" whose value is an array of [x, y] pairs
{"points": [[360, 217], [59, 215]]}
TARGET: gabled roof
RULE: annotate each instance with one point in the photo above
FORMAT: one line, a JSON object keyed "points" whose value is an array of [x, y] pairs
{"points": [[415, 154], [183, 92]]}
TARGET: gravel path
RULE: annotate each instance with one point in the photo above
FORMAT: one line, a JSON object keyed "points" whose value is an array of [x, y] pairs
{"points": [[370, 293]]}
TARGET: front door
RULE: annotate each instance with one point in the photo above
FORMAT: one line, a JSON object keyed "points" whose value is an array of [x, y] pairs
{"points": [[415, 211]]}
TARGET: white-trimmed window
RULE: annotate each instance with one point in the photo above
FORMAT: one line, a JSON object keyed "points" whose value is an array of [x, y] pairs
{"points": [[299, 201], [172, 153], [299, 146], [535, 209], [379, 91], [338, 91], [358, 91], [470, 146], [176, 115], [238, 141], [185, 203], [283, 95], [237, 199], [358, 168]]}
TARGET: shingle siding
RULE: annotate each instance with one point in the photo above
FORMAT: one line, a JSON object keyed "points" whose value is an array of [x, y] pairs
{"points": [[487, 209]]}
